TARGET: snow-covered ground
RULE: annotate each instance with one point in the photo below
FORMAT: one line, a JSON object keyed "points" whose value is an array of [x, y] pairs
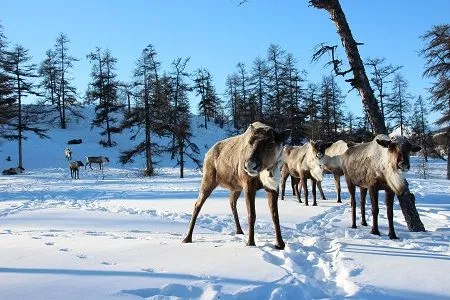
{"points": [[118, 235]]}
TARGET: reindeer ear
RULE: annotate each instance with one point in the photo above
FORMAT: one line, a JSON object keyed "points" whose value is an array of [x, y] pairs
{"points": [[350, 144], [312, 143], [383, 143], [285, 134], [415, 148], [251, 128]]}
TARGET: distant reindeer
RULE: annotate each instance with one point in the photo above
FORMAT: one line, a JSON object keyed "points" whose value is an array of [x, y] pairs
{"points": [[247, 162], [75, 142], [13, 171], [68, 153], [74, 167], [96, 160]]}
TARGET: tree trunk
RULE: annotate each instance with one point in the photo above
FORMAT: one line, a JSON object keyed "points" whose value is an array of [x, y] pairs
{"points": [[408, 205], [19, 133], [360, 80]]}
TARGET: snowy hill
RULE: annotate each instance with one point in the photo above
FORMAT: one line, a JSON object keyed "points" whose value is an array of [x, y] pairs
{"points": [[49, 153], [119, 236]]}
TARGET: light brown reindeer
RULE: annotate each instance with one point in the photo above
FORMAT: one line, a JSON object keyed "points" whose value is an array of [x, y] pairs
{"points": [[246, 162], [97, 160], [378, 165], [332, 164], [304, 162], [74, 168]]}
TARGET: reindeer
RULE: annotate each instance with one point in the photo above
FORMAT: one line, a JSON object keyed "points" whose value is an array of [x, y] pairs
{"points": [[74, 168], [247, 162], [304, 162], [13, 171], [378, 165], [97, 160], [68, 153]]}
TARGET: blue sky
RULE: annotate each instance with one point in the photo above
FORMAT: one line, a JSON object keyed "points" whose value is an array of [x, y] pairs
{"points": [[217, 34]]}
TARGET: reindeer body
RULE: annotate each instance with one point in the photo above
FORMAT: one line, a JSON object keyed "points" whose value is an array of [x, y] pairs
{"points": [[304, 162], [68, 153], [74, 168], [97, 160], [378, 165], [246, 162]]}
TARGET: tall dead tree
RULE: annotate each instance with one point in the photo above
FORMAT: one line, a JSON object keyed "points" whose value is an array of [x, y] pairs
{"points": [[360, 81]]}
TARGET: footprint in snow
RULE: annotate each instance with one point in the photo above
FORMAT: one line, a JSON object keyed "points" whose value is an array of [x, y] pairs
{"points": [[64, 249], [149, 270], [49, 243], [81, 256], [107, 263]]}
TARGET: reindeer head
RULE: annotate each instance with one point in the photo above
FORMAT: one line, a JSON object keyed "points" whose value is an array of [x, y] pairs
{"points": [[399, 149], [264, 147], [319, 148]]}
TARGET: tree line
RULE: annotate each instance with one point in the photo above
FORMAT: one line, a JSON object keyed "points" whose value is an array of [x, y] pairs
{"points": [[155, 101]]}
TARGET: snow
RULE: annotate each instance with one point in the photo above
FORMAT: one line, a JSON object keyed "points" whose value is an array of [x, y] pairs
{"points": [[118, 235]]}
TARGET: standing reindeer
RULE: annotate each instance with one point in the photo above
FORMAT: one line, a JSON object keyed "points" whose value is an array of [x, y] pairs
{"points": [[74, 168], [247, 162], [97, 160], [378, 165], [68, 153]]}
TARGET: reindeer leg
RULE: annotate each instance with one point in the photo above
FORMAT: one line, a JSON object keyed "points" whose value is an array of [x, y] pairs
{"points": [[305, 189], [319, 185], [351, 190], [373, 192], [298, 189], [272, 197], [337, 184], [363, 194], [294, 183], [234, 196], [314, 183], [208, 185], [250, 193], [284, 176], [390, 213]]}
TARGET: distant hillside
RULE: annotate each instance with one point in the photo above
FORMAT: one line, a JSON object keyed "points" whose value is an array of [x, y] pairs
{"points": [[49, 153]]}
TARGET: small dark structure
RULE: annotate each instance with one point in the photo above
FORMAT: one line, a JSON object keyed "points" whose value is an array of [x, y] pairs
{"points": [[75, 142]]}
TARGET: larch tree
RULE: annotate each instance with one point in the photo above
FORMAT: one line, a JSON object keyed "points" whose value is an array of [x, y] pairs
{"points": [[181, 146], [437, 66], [258, 85], [275, 67], [398, 104], [67, 94], [103, 91], [419, 126], [141, 119], [210, 102], [380, 78], [6, 97], [21, 73]]}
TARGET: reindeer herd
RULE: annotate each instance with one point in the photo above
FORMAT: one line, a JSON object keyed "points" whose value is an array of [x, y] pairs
{"points": [[74, 165], [257, 160]]}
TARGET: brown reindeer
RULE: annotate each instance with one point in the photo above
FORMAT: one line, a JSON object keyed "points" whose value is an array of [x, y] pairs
{"points": [[304, 162], [97, 160], [74, 168], [246, 162], [378, 165]]}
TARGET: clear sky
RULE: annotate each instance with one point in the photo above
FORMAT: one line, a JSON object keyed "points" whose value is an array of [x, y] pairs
{"points": [[217, 34]]}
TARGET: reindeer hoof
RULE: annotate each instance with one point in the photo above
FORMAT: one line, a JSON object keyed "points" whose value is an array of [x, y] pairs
{"points": [[376, 232], [306, 204], [251, 244], [187, 240], [364, 223], [393, 236], [314, 204], [280, 246], [323, 198], [339, 201], [354, 227], [239, 231]]}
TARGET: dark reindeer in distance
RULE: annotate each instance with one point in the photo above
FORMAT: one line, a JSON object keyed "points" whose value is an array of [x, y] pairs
{"points": [[247, 162], [74, 168], [378, 165], [304, 162], [96, 160]]}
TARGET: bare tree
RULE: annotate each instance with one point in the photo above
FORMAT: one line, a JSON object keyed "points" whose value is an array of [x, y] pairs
{"points": [[437, 55]]}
